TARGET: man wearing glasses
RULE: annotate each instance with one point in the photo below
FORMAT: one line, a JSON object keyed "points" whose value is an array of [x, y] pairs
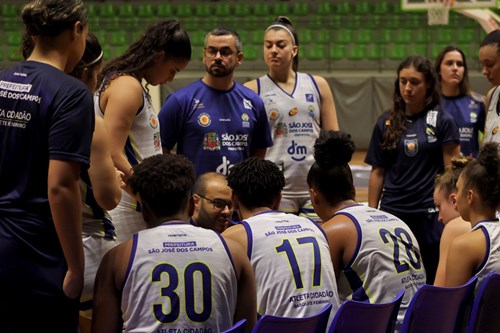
{"points": [[212, 202], [216, 122]]}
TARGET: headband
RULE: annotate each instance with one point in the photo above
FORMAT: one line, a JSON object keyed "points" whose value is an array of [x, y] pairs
{"points": [[83, 65], [280, 26], [99, 57]]}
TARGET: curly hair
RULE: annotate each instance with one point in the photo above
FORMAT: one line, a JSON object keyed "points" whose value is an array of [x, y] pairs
{"points": [[256, 182], [483, 174], [166, 36], [447, 181], [331, 173], [164, 183], [51, 17], [396, 127]]}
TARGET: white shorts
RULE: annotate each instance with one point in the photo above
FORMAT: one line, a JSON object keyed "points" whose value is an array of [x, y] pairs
{"points": [[94, 248], [301, 206]]}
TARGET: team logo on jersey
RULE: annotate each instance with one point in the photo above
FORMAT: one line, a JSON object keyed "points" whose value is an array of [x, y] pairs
{"points": [[309, 98], [247, 104], [296, 152], [157, 140], [310, 110], [473, 105], [293, 112], [473, 117], [211, 142], [274, 114], [495, 130], [204, 119], [431, 134], [153, 121], [280, 130], [198, 104], [411, 147], [245, 120]]}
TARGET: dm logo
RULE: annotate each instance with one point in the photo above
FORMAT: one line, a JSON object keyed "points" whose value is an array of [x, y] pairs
{"points": [[296, 152], [204, 119]]}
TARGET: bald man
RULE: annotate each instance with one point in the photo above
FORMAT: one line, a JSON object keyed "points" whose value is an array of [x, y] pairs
{"points": [[212, 202]]}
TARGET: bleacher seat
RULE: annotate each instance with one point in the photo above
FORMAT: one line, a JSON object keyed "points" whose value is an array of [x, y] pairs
{"points": [[14, 38], [222, 9], [337, 52], [203, 10], [362, 8], [106, 9], [357, 52], [250, 53], [344, 8], [184, 10], [165, 10], [343, 36], [126, 10], [397, 51], [242, 9], [324, 8], [119, 38], [145, 10], [314, 52], [364, 36], [280, 9], [300, 9], [10, 10], [404, 36]]}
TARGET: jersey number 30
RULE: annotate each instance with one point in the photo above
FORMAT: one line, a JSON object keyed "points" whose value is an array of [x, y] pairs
{"points": [[189, 292]]}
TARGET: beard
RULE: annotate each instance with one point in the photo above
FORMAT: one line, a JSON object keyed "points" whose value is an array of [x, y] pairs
{"points": [[219, 70]]}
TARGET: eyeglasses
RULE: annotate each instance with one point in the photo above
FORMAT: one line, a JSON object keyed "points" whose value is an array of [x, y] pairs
{"points": [[218, 203], [225, 51]]}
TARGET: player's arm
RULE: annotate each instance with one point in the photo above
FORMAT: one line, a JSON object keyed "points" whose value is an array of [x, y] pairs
{"points": [[122, 99], [451, 231], [106, 180], [328, 112], [465, 255], [449, 151], [237, 233], [246, 304], [487, 105], [65, 206], [107, 315], [375, 184], [342, 239]]}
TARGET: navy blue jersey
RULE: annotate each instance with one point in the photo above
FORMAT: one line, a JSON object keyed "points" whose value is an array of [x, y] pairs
{"points": [[44, 114], [214, 128], [468, 112], [411, 167]]}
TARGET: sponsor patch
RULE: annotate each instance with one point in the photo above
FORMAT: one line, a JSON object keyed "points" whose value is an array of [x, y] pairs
{"points": [[204, 119]]}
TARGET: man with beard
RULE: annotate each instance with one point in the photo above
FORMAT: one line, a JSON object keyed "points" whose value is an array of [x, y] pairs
{"points": [[212, 202], [216, 122]]}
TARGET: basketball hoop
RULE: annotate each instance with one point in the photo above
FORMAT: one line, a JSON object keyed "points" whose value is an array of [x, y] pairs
{"points": [[438, 11]]}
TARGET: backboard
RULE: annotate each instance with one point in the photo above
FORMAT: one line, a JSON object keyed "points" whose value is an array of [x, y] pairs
{"points": [[456, 4]]}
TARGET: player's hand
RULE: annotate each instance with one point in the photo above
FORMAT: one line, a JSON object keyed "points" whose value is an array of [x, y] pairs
{"points": [[73, 285]]}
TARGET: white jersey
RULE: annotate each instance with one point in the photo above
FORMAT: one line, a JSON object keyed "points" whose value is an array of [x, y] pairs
{"points": [[491, 262], [143, 141], [386, 260], [294, 120], [492, 128], [180, 278], [292, 264]]}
